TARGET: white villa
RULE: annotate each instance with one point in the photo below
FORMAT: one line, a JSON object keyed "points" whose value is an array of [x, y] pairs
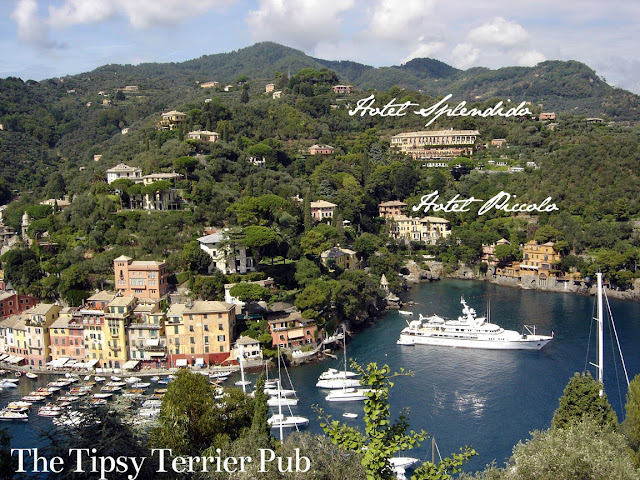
{"points": [[226, 257]]}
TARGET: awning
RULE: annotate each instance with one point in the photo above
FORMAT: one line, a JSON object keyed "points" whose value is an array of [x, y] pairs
{"points": [[156, 354], [16, 359], [181, 362], [131, 364], [199, 361], [59, 362], [8, 358], [78, 365], [152, 342], [3, 356], [91, 363], [296, 334]]}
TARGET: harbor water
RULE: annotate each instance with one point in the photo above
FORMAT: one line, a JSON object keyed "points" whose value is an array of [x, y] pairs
{"points": [[486, 399]]}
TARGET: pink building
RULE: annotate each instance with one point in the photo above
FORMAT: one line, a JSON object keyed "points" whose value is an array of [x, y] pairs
{"points": [[342, 89]]}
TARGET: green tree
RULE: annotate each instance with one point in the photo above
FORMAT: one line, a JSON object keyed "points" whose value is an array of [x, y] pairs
{"points": [[366, 245], [306, 272], [194, 258], [190, 420], [259, 423], [547, 233], [21, 268], [585, 450], [186, 165], [8, 462], [582, 399], [249, 292], [258, 239], [631, 423], [382, 438]]}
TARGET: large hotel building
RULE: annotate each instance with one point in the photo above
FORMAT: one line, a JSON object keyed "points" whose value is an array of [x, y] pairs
{"points": [[436, 144]]}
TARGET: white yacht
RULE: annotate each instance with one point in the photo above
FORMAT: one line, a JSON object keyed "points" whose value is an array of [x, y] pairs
{"points": [[469, 331], [338, 379], [333, 373], [281, 400], [279, 420], [347, 395]]}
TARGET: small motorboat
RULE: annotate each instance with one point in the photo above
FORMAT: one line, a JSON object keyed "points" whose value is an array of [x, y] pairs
{"points": [[350, 415], [99, 379], [8, 384], [32, 376], [18, 373], [132, 379], [141, 385], [405, 312], [11, 415], [155, 378], [19, 404], [116, 379]]}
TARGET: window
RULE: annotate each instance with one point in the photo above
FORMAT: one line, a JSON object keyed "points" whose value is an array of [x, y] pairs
{"points": [[192, 340], [191, 328], [175, 329], [221, 338], [220, 327], [206, 339], [206, 326]]}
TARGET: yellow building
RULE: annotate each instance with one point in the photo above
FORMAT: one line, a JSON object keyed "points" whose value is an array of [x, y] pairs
{"points": [[339, 257], [199, 333], [38, 320], [172, 119], [539, 257], [146, 338], [424, 230], [114, 331], [436, 144]]}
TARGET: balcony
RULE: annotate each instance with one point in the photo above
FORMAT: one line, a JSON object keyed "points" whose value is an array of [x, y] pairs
{"points": [[146, 326], [154, 348]]}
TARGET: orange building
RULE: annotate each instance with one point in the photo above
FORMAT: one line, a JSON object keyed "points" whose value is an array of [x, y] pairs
{"points": [[392, 209], [292, 331], [12, 303], [141, 279], [539, 257]]}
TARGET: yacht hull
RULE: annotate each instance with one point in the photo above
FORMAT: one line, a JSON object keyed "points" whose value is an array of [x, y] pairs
{"points": [[530, 343]]}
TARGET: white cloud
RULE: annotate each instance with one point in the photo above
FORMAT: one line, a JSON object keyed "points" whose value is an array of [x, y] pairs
{"points": [[529, 58], [140, 13], [300, 23], [464, 55], [31, 29], [499, 32], [424, 49], [392, 21]]}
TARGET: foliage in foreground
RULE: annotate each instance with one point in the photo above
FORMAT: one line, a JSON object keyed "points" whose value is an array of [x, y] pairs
{"points": [[383, 438], [585, 450]]}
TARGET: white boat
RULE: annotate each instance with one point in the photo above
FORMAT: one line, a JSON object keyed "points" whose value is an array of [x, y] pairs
{"points": [[219, 375], [116, 379], [155, 378], [332, 373], [19, 404], [347, 395], [273, 392], [30, 375], [10, 415], [279, 420], [242, 383], [133, 379], [283, 401], [8, 384], [140, 385], [350, 415], [337, 379], [469, 331], [99, 379], [405, 312]]}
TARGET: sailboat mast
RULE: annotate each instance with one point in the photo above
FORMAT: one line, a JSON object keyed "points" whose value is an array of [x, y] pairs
{"points": [[244, 387], [279, 399], [600, 333]]}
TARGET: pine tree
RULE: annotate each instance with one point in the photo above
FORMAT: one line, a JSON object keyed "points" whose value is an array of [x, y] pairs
{"points": [[582, 399]]}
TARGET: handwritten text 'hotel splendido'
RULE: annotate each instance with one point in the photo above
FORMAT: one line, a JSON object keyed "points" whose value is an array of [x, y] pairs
{"points": [[438, 109]]}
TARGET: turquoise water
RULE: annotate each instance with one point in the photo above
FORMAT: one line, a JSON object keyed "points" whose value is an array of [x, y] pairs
{"points": [[488, 400]]}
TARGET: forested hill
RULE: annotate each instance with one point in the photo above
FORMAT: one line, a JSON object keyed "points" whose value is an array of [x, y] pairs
{"points": [[557, 85]]}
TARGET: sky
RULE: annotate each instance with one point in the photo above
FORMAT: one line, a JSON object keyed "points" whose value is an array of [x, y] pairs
{"points": [[49, 38]]}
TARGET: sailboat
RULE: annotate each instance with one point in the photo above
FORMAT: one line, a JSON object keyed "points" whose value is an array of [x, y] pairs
{"points": [[600, 320], [279, 420], [336, 379], [348, 394]]}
